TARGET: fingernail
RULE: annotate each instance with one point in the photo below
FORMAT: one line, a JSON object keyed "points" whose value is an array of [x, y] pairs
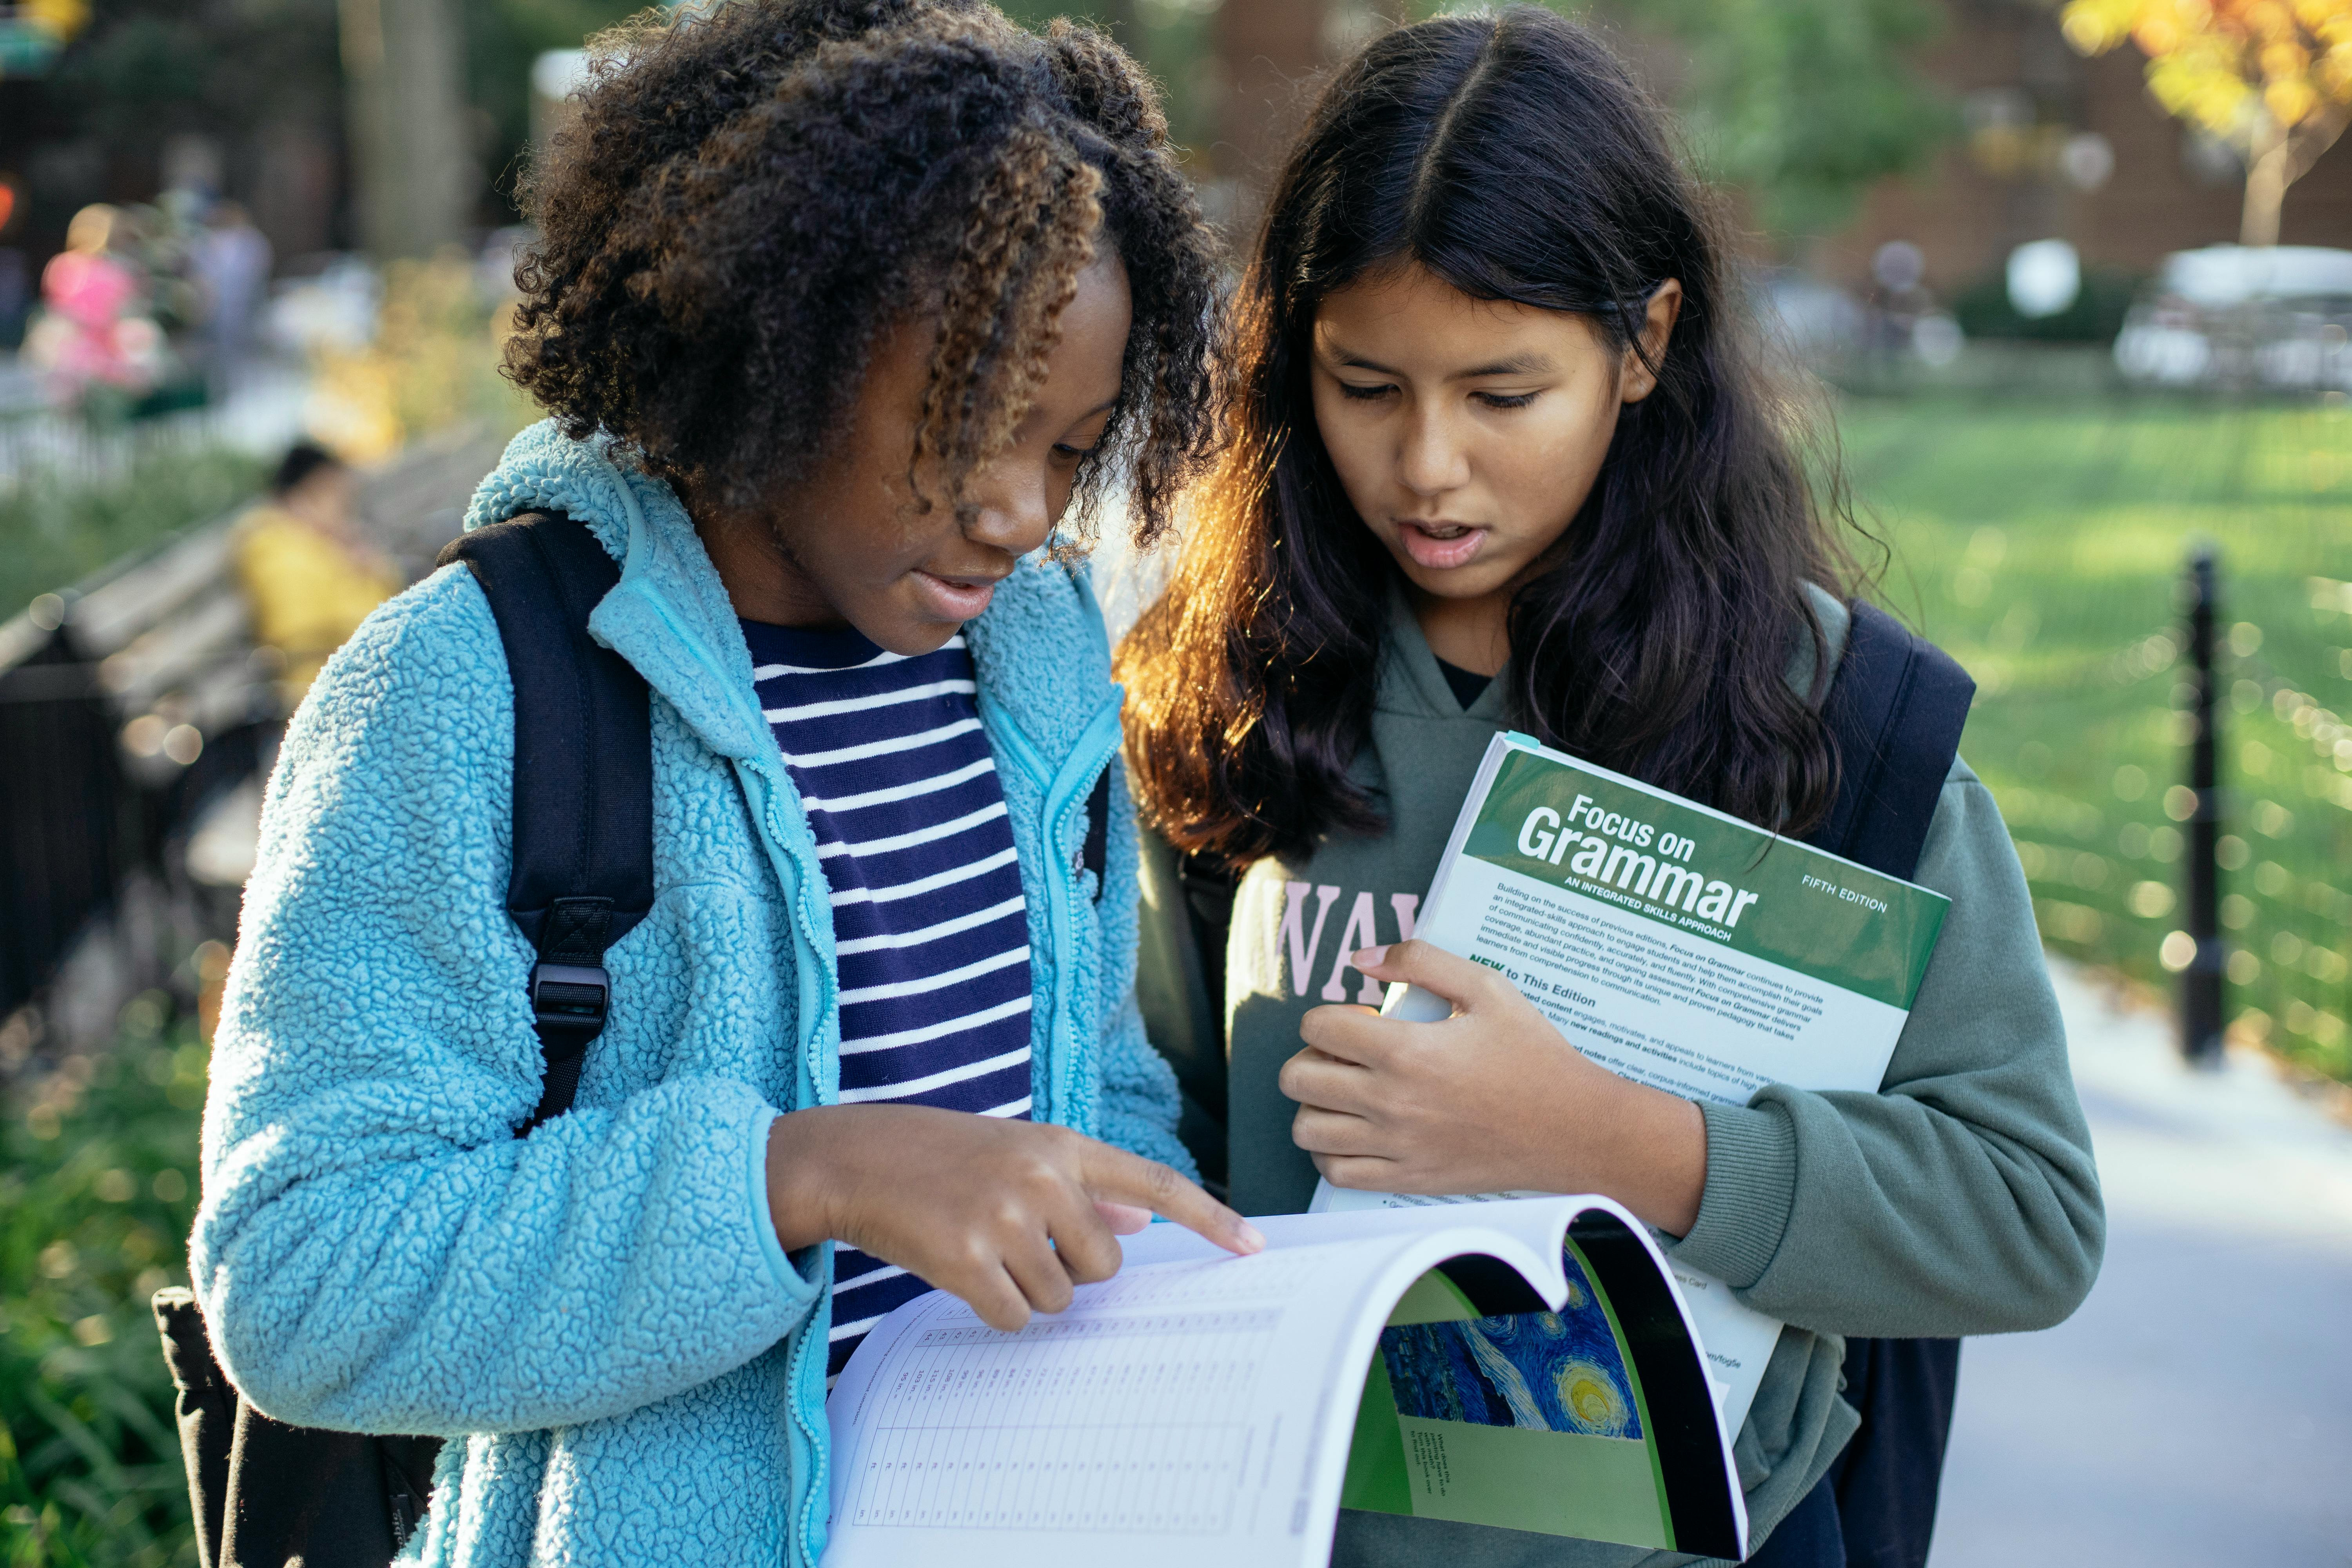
{"points": [[1252, 1238], [1368, 957]]}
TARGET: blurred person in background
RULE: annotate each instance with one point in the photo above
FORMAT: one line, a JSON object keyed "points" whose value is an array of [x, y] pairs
{"points": [[230, 263], [310, 574], [94, 340]]}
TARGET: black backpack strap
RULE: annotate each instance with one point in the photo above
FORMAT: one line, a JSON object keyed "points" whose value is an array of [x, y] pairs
{"points": [[583, 788], [1889, 1476], [1896, 708], [262, 1491], [204, 1406], [1094, 852]]}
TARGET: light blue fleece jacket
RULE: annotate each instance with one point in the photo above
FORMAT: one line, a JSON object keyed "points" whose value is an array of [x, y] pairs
{"points": [[599, 1315]]}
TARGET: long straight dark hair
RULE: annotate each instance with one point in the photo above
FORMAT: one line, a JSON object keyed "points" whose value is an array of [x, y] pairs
{"points": [[1513, 157]]}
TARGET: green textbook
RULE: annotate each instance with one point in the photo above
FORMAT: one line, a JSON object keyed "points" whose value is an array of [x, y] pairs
{"points": [[1676, 945]]}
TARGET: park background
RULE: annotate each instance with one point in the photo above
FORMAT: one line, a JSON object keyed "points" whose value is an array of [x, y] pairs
{"points": [[1897, 171]]}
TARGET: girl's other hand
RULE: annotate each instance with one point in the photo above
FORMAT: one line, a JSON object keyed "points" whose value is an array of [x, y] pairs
{"points": [[1493, 1099], [1009, 1215]]}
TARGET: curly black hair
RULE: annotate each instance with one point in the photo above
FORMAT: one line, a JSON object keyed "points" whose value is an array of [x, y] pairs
{"points": [[749, 199]]}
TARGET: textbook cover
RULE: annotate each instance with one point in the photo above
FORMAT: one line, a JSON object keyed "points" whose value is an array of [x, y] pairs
{"points": [[1527, 1363], [1678, 946]]}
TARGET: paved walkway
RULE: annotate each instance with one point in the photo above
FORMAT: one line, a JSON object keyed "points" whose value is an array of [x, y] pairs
{"points": [[2197, 1413]]}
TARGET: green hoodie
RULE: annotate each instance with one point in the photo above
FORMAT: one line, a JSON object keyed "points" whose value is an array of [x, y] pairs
{"points": [[1959, 1199]]}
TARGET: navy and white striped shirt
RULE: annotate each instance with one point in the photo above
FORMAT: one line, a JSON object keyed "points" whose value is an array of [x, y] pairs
{"points": [[928, 922]]}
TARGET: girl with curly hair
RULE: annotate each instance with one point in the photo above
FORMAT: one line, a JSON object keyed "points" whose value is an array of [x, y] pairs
{"points": [[840, 308], [1503, 461]]}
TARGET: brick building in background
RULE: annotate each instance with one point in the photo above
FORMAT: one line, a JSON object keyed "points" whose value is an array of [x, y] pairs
{"points": [[2055, 146]]}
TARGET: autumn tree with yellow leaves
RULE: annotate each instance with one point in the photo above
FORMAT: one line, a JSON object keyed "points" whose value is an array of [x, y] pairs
{"points": [[2273, 78]]}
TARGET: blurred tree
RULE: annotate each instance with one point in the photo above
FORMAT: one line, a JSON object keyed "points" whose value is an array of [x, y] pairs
{"points": [[241, 75], [31, 37], [1803, 104], [1170, 38], [147, 69], [1266, 52], [265, 81], [2273, 78], [404, 95], [502, 39], [1231, 73]]}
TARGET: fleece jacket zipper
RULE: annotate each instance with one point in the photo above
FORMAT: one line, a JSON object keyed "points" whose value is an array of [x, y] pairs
{"points": [[1066, 794], [792, 859]]}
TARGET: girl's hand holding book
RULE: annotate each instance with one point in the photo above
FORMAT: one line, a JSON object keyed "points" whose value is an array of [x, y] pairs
{"points": [[1491, 1100], [1009, 1215]]}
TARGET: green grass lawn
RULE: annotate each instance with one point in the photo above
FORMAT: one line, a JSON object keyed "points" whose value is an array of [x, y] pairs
{"points": [[2042, 542], [98, 1186], [55, 528]]}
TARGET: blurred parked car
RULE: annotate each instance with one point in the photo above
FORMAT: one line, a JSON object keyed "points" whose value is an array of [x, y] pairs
{"points": [[2231, 315]]}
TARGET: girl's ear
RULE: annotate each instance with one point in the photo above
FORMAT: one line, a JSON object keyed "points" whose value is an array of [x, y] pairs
{"points": [[1635, 379]]}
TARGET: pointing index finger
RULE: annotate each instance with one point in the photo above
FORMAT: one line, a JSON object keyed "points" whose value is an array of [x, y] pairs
{"points": [[1114, 1176]]}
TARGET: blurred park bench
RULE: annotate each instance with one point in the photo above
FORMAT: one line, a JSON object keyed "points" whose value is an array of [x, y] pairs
{"points": [[131, 705]]}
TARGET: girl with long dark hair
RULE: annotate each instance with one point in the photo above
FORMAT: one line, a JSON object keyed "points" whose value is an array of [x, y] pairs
{"points": [[1502, 457]]}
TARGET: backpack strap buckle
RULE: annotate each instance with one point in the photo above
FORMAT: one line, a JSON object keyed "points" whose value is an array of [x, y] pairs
{"points": [[571, 996], [582, 874], [568, 1004]]}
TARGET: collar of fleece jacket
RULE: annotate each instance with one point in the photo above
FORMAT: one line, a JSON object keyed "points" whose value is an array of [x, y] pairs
{"points": [[671, 618]]}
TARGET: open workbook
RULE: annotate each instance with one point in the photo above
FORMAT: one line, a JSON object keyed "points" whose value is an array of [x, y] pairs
{"points": [[1679, 947], [1525, 1363]]}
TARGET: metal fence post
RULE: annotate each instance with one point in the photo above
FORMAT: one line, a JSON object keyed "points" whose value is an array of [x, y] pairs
{"points": [[2200, 984]]}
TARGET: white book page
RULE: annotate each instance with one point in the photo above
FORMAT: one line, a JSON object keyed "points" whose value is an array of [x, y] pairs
{"points": [[1538, 1224], [1197, 1403]]}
